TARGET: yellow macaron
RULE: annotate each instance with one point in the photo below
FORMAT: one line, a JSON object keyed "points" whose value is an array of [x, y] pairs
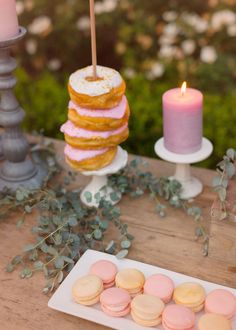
{"points": [[191, 295], [146, 310], [211, 321], [87, 290], [131, 280]]}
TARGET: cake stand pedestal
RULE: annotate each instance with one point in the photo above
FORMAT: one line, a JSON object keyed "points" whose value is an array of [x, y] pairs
{"points": [[99, 181], [191, 186]]}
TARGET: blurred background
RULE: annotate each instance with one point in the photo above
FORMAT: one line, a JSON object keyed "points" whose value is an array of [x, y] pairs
{"points": [[155, 44]]}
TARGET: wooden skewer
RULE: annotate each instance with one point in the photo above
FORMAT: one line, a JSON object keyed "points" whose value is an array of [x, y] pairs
{"points": [[93, 39]]}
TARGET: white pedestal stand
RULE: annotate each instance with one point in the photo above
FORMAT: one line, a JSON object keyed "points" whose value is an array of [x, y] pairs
{"points": [[191, 187], [99, 179]]}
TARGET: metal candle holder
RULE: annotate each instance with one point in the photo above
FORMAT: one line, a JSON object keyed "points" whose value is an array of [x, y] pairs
{"points": [[17, 169]]}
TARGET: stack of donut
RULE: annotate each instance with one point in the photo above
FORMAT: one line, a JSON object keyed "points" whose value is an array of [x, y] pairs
{"points": [[97, 118]]}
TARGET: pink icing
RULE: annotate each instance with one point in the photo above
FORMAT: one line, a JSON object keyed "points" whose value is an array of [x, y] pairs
{"points": [[70, 129], [116, 113], [79, 154]]}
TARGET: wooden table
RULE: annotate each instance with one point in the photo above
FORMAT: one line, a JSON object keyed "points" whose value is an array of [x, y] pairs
{"points": [[168, 243]]}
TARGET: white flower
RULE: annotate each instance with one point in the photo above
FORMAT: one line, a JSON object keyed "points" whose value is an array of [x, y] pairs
{"points": [[106, 6], [208, 54], [83, 23], [198, 23], [167, 52], [31, 46], [169, 16], [232, 30], [129, 73], [20, 7], [222, 18], [188, 46], [157, 69], [54, 64], [40, 25], [171, 29], [166, 40]]}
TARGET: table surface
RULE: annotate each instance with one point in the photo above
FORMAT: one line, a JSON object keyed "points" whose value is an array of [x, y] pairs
{"points": [[168, 243]]}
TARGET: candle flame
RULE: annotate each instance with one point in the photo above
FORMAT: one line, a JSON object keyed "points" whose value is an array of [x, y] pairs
{"points": [[183, 88]]}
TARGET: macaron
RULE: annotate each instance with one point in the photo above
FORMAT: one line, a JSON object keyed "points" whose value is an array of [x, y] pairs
{"points": [[177, 317], [146, 310], [115, 302], [221, 302], [161, 286], [211, 321], [131, 280], [87, 290], [106, 270], [191, 295]]}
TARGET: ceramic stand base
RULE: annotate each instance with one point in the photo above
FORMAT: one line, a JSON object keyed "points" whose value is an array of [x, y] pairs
{"points": [[191, 186], [31, 182], [99, 181]]}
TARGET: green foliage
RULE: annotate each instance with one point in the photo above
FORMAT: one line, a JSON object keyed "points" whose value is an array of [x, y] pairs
{"points": [[45, 101], [65, 228], [224, 206]]}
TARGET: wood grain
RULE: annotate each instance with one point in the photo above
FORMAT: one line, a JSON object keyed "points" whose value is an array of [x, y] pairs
{"points": [[168, 243]]}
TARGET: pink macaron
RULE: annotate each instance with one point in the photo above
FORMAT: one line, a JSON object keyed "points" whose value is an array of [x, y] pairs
{"points": [[178, 317], [115, 302], [161, 286], [106, 270], [221, 302]]}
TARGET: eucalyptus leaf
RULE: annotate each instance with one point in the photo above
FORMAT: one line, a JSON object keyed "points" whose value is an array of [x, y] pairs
{"points": [[88, 196], [59, 262], [97, 234], [222, 194], [60, 277], [110, 248], [72, 221], [26, 273], [10, 268], [28, 209], [230, 170], [114, 196], [38, 265], [231, 153], [125, 244], [122, 254]]}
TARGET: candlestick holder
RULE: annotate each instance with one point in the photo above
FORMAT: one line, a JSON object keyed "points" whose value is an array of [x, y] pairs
{"points": [[18, 168], [99, 181], [191, 186]]}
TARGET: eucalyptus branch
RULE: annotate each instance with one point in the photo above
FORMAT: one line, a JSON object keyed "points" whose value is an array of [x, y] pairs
{"points": [[221, 207]]}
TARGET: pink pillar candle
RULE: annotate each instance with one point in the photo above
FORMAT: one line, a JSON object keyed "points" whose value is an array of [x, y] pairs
{"points": [[8, 20], [182, 120]]}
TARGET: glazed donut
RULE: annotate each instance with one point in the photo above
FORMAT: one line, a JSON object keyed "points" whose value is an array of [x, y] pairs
{"points": [[100, 120], [89, 160], [104, 93], [89, 140]]}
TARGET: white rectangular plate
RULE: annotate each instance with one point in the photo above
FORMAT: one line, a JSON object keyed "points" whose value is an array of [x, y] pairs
{"points": [[62, 299]]}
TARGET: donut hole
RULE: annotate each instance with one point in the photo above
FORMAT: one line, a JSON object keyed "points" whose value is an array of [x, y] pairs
{"points": [[91, 78]]}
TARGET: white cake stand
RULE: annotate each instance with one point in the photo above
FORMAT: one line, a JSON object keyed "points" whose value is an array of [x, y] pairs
{"points": [[191, 187], [99, 179]]}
